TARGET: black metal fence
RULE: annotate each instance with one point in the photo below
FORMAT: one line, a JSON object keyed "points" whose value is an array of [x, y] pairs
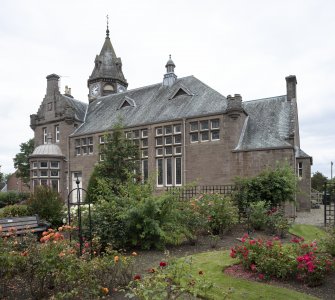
{"points": [[328, 200], [186, 193]]}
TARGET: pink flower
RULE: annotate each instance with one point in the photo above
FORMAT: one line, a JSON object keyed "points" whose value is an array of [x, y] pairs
{"points": [[261, 276], [252, 242], [253, 267]]}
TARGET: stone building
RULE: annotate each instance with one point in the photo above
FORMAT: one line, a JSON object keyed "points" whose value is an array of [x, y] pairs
{"points": [[187, 132]]}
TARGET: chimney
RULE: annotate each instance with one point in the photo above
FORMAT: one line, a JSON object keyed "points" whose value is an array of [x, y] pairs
{"points": [[291, 87], [234, 106], [52, 84]]}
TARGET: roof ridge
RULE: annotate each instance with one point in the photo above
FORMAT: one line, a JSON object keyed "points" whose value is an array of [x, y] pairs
{"points": [[267, 98]]}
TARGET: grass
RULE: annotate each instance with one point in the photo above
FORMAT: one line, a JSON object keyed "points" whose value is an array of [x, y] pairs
{"points": [[308, 232], [213, 263]]}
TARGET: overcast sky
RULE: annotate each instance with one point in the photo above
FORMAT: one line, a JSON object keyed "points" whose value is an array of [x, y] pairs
{"points": [[240, 46]]}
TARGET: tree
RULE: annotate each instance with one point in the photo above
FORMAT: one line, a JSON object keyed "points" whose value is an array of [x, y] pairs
{"points": [[120, 164], [21, 161], [318, 181]]}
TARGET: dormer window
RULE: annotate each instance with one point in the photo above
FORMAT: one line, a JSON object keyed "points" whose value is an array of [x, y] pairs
{"points": [[180, 91]]}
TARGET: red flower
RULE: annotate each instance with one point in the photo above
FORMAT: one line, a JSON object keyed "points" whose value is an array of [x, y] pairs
{"points": [[253, 267], [152, 270], [261, 276], [162, 264], [137, 277]]}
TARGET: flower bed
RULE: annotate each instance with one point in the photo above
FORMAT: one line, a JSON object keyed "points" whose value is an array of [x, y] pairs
{"points": [[296, 260]]}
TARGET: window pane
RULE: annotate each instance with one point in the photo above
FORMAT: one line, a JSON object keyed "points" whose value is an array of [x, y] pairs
{"points": [[159, 171], [145, 172], [159, 131], [177, 128], [54, 184], [136, 134], [168, 129], [44, 164], [90, 140], [168, 140], [144, 142], [83, 141], [77, 142], [145, 153], [177, 150], [168, 150], [44, 181], [194, 126], [90, 149], [144, 132], [215, 135], [159, 141], [159, 151], [84, 149], [168, 171], [178, 170], [35, 165], [204, 136], [177, 139], [194, 137], [77, 151], [54, 164], [215, 124], [204, 125], [44, 173], [128, 135], [54, 173]]}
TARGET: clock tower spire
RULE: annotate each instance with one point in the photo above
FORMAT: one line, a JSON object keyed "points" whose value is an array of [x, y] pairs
{"points": [[107, 76]]}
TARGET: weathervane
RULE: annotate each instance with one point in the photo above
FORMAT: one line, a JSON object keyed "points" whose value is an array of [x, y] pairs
{"points": [[107, 31]]}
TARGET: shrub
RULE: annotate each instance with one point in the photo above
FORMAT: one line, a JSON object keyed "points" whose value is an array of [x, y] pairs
{"points": [[15, 211], [273, 186], [273, 259], [219, 210], [258, 214], [10, 198], [328, 243], [170, 280], [276, 222], [47, 204], [52, 266]]}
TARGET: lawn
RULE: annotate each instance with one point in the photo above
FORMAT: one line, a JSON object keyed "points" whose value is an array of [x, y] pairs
{"points": [[213, 264], [308, 232]]}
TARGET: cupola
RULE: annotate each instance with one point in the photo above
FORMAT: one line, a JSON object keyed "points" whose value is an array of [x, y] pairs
{"points": [[170, 77]]}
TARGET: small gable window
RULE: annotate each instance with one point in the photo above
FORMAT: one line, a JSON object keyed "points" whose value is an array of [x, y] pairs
{"points": [[127, 102], [181, 91]]}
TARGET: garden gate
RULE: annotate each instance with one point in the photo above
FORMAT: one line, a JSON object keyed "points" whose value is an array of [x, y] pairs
{"points": [[77, 201], [329, 204]]}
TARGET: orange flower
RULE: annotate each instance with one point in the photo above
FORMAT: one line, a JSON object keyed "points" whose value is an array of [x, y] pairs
{"points": [[105, 290], [45, 233], [116, 259], [24, 253], [134, 254], [61, 254]]}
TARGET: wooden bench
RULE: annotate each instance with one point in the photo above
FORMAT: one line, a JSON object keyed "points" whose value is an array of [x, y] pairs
{"points": [[21, 225]]}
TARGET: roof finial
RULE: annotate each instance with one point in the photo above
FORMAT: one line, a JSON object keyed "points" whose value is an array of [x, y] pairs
{"points": [[107, 31], [169, 56]]}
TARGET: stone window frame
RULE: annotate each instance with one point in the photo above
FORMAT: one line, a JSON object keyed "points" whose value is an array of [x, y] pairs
{"points": [[45, 135], [300, 169], [210, 127]]}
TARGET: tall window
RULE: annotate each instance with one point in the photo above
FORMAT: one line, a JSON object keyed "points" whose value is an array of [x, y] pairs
{"points": [[168, 155], [57, 133], [300, 169], [45, 135], [145, 171]]}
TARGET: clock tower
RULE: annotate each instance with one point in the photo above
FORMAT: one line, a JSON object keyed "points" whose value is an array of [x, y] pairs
{"points": [[107, 76]]}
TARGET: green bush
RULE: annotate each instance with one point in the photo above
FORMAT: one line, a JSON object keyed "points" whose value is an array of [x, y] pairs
{"points": [[276, 222], [15, 211], [47, 204], [10, 198], [220, 212], [273, 186], [258, 214], [328, 243]]}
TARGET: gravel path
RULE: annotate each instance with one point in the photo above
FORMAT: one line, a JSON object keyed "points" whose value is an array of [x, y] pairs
{"points": [[314, 217]]}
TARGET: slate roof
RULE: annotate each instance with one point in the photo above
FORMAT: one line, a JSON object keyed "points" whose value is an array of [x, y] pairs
{"points": [[267, 125], [153, 105], [78, 106]]}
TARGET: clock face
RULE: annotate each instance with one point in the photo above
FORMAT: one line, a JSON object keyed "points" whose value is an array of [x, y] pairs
{"points": [[120, 88], [95, 89]]}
